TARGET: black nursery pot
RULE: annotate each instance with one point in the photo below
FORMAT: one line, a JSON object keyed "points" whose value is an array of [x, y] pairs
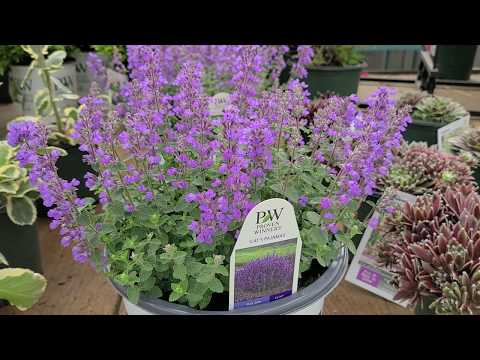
{"points": [[422, 307], [4, 94], [476, 175], [362, 213], [342, 80], [422, 131], [19, 244], [455, 62], [69, 167]]}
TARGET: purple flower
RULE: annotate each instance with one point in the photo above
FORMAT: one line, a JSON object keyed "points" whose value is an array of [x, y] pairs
{"points": [[325, 203], [303, 200], [373, 222]]}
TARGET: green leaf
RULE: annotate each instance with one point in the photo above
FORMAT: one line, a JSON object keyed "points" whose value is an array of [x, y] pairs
{"points": [[63, 152], [3, 260], [180, 287], [10, 172], [21, 287], [313, 217], [70, 96], [55, 59], [215, 285], [21, 211], [9, 187], [174, 296], [6, 153], [155, 292], [347, 241], [278, 188], [59, 84], [179, 271], [318, 235], [133, 294]]}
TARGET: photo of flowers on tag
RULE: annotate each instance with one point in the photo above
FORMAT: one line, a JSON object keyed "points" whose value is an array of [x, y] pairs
{"points": [[264, 273]]}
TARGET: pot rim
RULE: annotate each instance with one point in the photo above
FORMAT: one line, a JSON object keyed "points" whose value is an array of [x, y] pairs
{"points": [[338, 68], [304, 297]]}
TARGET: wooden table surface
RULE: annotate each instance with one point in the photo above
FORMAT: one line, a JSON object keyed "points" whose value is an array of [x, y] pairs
{"points": [[79, 289]]}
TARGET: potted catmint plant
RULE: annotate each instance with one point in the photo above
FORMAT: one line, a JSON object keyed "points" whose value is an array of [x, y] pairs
{"points": [[334, 68], [19, 238], [431, 113], [468, 145], [51, 108], [435, 252], [171, 212], [16, 60], [20, 287]]}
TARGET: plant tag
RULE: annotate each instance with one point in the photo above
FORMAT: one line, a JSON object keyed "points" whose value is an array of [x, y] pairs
{"points": [[265, 261], [445, 133], [217, 103], [366, 271]]}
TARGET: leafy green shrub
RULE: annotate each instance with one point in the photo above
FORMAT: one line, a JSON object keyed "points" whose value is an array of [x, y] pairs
{"points": [[336, 55]]}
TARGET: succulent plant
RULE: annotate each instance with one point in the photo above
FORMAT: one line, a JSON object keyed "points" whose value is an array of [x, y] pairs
{"points": [[469, 142], [16, 193], [438, 109], [418, 169], [437, 254], [411, 98]]}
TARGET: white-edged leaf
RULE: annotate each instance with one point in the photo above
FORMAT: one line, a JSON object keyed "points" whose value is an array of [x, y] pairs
{"points": [[21, 287], [3, 260], [21, 211]]}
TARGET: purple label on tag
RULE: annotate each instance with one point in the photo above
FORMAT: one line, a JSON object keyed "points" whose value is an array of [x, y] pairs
{"points": [[263, 299], [369, 276]]}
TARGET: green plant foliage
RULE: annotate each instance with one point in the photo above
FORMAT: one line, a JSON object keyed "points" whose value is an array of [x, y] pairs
{"points": [[16, 194], [336, 55], [107, 51], [47, 101], [21, 287]]}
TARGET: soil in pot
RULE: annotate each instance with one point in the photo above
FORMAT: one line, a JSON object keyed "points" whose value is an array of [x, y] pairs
{"points": [[455, 62], [343, 81], [69, 167]]}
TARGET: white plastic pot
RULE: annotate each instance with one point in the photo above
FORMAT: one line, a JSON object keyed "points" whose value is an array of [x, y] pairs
{"points": [[23, 98], [306, 301], [84, 79]]}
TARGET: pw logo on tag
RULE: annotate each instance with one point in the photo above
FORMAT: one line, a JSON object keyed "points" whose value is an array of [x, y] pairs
{"points": [[269, 215]]}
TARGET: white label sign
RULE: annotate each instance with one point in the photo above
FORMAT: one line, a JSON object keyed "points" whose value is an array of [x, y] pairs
{"points": [[218, 102], [265, 261], [448, 131], [365, 270]]}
